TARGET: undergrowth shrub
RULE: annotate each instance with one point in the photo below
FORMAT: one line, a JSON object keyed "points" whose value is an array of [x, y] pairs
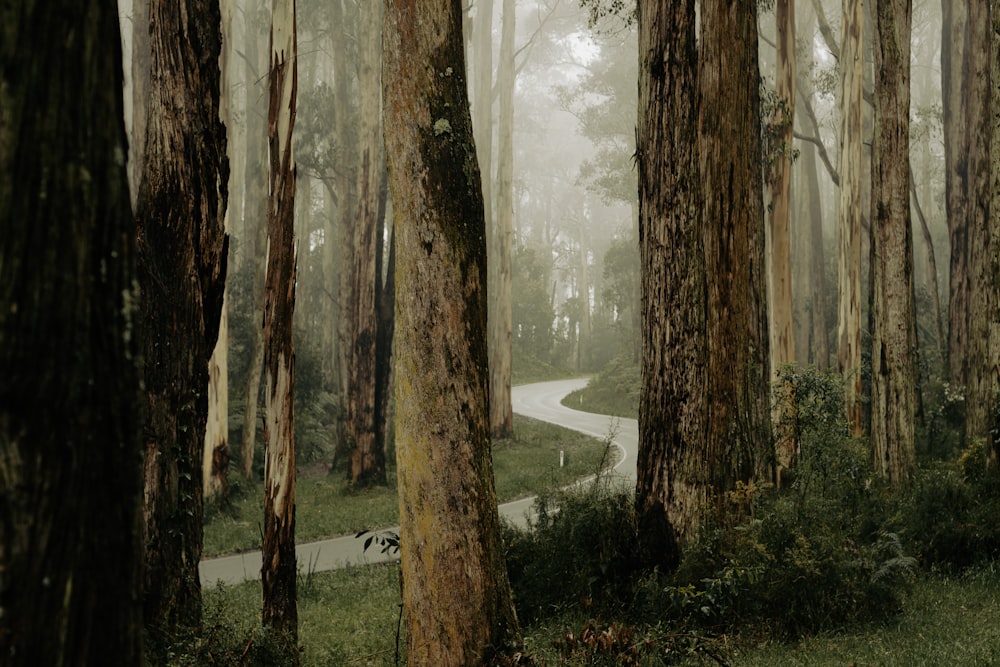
{"points": [[577, 552], [950, 514], [813, 555]]}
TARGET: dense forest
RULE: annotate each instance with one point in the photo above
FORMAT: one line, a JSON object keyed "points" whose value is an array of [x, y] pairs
{"points": [[247, 242]]}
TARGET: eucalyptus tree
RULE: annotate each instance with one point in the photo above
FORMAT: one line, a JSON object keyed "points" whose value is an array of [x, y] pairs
{"points": [[850, 212], [279, 571], [456, 596], [182, 248], [892, 299]]}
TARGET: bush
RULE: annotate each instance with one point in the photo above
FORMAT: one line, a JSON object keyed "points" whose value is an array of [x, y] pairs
{"points": [[949, 515], [578, 552]]}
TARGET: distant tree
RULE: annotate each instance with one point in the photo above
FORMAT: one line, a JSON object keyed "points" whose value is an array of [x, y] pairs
{"points": [[367, 453], [456, 597], [893, 311], [182, 251], [850, 213], [70, 448], [279, 571], [501, 238], [779, 173], [953, 44]]}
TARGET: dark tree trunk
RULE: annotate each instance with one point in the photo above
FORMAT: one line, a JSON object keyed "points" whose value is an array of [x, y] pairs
{"points": [[70, 408], [739, 440], [456, 597], [672, 485], [182, 267]]}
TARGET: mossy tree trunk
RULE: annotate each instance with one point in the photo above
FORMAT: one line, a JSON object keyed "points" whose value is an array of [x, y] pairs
{"points": [[456, 597], [70, 407]]}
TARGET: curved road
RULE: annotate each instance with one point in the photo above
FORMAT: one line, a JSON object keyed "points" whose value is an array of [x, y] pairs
{"points": [[539, 401]]}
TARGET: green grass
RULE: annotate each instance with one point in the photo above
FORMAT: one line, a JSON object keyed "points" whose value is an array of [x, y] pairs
{"points": [[349, 617], [613, 391], [946, 621], [326, 505]]}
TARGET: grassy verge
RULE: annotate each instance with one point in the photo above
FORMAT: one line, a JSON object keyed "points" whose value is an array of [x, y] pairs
{"points": [[327, 505], [613, 391], [349, 617]]}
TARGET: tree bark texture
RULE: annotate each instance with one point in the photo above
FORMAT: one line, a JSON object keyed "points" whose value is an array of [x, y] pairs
{"points": [[780, 186], [278, 571], [738, 340], [850, 211], [501, 315], [956, 147], [893, 313], [182, 250], [673, 484], [981, 362], [140, 94], [70, 412], [456, 597], [994, 225], [367, 459]]}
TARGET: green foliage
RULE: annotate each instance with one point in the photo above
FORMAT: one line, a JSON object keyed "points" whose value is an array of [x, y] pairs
{"points": [[577, 552], [613, 391], [531, 306], [950, 514]]}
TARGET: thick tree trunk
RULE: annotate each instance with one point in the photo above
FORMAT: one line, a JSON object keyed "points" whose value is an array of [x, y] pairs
{"points": [[981, 366], [182, 266], [456, 597], [70, 448], [673, 484], [278, 571], [893, 313], [501, 318], [367, 460], [849, 255], [956, 150], [739, 442]]}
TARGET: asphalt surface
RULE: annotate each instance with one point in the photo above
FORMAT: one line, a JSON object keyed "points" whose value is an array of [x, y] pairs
{"points": [[540, 401]]}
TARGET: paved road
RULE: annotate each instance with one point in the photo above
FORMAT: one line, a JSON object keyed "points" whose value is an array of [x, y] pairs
{"points": [[540, 401]]}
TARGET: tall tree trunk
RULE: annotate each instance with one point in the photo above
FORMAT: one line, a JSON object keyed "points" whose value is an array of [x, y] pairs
{"points": [[673, 483], [278, 571], [994, 226], [501, 317], [255, 221], [739, 440], [456, 597], [956, 147], [893, 312], [70, 448], [367, 460], [849, 255], [780, 185], [981, 366], [182, 267]]}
